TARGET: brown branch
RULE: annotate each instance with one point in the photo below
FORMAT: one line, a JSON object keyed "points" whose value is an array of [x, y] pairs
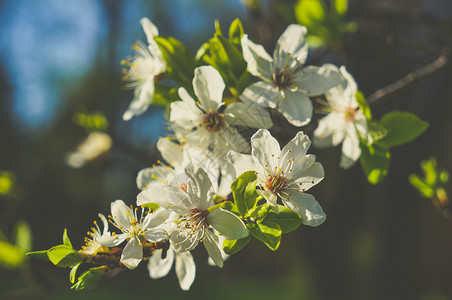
{"points": [[410, 78]]}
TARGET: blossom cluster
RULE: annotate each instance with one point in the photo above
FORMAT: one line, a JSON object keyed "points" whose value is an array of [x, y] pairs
{"points": [[222, 150]]}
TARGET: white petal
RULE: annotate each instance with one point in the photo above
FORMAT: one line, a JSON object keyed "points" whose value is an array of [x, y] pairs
{"points": [[105, 223], [155, 234], [305, 204], [149, 29], [120, 213], [294, 152], [184, 241], [262, 93], [230, 139], [293, 41], [111, 240], [330, 131], [211, 243], [168, 197], [199, 187], [259, 62], [132, 254], [350, 87], [160, 174], [308, 174], [244, 162], [159, 267], [249, 115], [141, 101], [157, 217], [350, 148], [185, 113], [185, 269], [209, 86], [317, 80], [296, 108], [171, 152], [265, 148], [228, 224]]}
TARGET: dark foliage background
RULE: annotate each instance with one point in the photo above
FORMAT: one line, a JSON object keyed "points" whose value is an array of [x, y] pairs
{"points": [[379, 242]]}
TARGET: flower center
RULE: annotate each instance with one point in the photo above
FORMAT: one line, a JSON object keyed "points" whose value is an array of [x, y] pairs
{"points": [[275, 183], [282, 80], [350, 114], [213, 121], [198, 217]]}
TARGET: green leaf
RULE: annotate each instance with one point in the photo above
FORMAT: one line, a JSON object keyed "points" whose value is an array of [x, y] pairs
{"points": [[268, 232], [89, 277], [430, 171], [64, 256], [309, 12], [233, 246], [425, 190], [259, 212], [164, 95], [230, 206], [236, 31], [363, 105], [402, 127], [73, 273], [375, 162], [244, 191], [340, 6], [287, 219], [376, 131], [201, 52], [66, 240], [217, 27], [10, 256], [23, 238], [42, 255], [7, 180], [180, 62]]}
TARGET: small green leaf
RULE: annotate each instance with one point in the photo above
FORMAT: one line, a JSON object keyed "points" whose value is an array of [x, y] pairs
{"points": [[309, 12], [73, 273], [42, 255], [64, 256], [217, 27], [340, 6], [375, 162], [66, 240], [267, 232], [201, 51], [233, 246], [425, 190], [23, 236], [287, 219], [244, 192], [180, 62], [402, 127], [363, 105], [259, 212], [236, 31], [10, 256], [7, 180], [89, 277], [230, 206], [376, 130]]}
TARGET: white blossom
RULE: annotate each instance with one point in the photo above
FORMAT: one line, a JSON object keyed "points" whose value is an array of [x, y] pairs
{"points": [[198, 214], [286, 84], [91, 245], [95, 145], [147, 64], [285, 173], [135, 230], [344, 122]]}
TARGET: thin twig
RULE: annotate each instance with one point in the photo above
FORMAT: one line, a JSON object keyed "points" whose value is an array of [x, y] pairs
{"points": [[411, 77]]}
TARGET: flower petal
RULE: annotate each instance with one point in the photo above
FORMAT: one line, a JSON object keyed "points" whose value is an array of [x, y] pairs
{"points": [[111, 240], [330, 131], [259, 62], [199, 187], [209, 86], [228, 224], [211, 243], [248, 114], [350, 148], [171, 152], [262, 93], [305, 204], [159, 267], [185, 269], [292, 42], [244, 162], [317, 80], [296, 108], [149, 29], [141, 101], [185, 113], [168, 197], [120, 213], [265, 148], [132, 254], [160, 174]]}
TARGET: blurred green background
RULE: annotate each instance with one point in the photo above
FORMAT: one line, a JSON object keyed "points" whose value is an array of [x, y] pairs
{"points": [[60, 58]]}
